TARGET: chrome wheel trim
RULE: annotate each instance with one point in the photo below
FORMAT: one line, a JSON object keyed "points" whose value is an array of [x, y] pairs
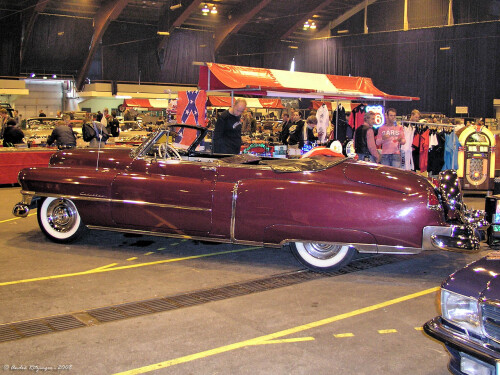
{"points": [[59, 217], [322, 255]]}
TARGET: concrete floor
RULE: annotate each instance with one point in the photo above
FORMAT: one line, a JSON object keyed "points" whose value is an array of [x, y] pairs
{"points": [[348, 324]]}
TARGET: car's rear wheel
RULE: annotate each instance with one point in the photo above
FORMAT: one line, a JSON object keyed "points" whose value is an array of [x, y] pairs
{"points": [[59, 220], [322, 256]]}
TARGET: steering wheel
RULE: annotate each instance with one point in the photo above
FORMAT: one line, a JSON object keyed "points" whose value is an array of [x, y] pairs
{"points": [[166, 151]]}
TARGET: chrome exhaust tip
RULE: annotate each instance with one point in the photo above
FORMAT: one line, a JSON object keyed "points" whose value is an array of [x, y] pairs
{"points": [[21, 210]]}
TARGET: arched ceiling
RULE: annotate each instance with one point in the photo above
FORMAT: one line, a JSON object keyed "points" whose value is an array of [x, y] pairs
{"points": [[267, 19]]}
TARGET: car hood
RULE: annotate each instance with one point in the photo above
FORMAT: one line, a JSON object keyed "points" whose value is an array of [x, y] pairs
{"points": [[386, 177], [478, 279]]}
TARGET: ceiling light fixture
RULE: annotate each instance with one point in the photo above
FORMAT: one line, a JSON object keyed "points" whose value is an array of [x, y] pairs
{"points": [[313, 26], [176, 6], [205, 10], [165, 33], [32, 75], [214, 10], [306, 25]]}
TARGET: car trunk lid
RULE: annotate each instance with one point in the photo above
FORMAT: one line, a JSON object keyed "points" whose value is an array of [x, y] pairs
{"points": [[385, 177]]}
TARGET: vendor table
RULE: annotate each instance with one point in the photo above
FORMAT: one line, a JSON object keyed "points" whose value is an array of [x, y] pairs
{"points": [[13, 160]]}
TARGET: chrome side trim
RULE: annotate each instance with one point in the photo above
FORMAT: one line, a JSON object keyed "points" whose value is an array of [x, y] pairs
{"points": [[182, 236], [233, 211], [122, 201], [366, 248], [161, 205]]}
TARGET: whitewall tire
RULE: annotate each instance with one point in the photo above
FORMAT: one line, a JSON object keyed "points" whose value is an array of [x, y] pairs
{"points": [[322, 257], [59, 219]]}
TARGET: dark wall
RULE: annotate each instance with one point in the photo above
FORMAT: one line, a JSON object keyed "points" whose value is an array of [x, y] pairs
{"points": [[10, 44], [410, 63], [56, 44]]}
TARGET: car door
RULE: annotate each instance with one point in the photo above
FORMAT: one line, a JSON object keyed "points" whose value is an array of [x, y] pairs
{"points": [[170, 196]]}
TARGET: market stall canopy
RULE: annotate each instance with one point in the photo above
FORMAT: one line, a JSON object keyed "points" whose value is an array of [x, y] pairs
{"points": [[149, 104], [225, 101], [282, 83]]}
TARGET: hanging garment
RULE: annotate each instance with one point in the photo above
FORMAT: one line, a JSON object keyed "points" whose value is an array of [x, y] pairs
{"points": [[342, 125], [451, 151], [424, 150], [323, 117], [357, 117], [406, 149], [436, 152]]}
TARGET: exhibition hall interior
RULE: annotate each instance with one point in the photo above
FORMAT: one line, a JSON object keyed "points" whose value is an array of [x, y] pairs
{"points": [[250, 186]]}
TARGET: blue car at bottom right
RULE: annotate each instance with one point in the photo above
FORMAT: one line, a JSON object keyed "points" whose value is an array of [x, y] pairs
{"points": [[469, 325]]}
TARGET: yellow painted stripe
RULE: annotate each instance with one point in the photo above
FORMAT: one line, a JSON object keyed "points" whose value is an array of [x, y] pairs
{"points": [[272, 336], [342, 335], [125, 267], [174, 244], [133, 258], [285, 341], [103, 267], [419, 328], [384, 331], [160, 249], [149, 253], [15, 218]]}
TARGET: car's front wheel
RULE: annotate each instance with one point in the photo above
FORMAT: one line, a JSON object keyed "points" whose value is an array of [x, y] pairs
{"points": [[59, 220], [321, 256]]}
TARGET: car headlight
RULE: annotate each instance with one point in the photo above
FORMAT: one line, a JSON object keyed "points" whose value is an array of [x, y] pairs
{"points": [[461, 311]]}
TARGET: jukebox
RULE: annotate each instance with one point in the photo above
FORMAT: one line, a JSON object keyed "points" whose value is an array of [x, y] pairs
{"points": [[476, 158]]}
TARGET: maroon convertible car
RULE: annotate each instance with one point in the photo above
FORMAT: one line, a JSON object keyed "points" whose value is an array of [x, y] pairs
{"points": [[324, 208]]}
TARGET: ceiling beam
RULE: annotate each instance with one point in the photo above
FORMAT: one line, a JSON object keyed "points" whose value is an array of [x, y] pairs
{"points": [[305, 17], [325, 32], [30, 24], [107, 13], [246, 12], [178, 16]]}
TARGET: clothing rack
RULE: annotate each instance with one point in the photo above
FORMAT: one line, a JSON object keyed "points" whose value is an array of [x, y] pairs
{"points": [[429, 124]]}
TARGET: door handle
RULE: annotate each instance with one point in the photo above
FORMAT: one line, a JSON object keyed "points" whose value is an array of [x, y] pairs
{"points": [[212, 169]]}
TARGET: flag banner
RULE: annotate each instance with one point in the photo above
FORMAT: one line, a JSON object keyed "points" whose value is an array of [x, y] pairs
{"points": [[191, 107]]}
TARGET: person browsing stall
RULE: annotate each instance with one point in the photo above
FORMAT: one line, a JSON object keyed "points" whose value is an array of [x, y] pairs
{"points": [[364, 140], [391, 136], [227, 133], [63, 134], [12, 135]]}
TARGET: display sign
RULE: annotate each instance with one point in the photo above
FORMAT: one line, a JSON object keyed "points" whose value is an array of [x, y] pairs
{"points": [[379, 114], [462, 110]]}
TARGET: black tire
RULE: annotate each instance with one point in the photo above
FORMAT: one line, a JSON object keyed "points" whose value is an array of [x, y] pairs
{"points": [[59, 220], [322, 257]]}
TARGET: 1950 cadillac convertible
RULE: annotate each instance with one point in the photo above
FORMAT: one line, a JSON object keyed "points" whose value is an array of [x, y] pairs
{"points": [[325, 208]]}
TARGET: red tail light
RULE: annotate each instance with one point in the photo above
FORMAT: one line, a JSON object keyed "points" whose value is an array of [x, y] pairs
{"points": [[432, 200]]}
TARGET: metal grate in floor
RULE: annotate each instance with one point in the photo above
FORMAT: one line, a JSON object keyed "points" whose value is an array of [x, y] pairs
{"points": [[87, 318]]}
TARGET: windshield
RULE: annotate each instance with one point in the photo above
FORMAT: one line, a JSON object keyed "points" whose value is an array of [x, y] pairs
{"points": [[181, 138]]}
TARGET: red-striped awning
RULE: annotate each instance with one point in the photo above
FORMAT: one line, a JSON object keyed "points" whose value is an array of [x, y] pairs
{"points": [[273, 82], [149, 104], [225, 101]]}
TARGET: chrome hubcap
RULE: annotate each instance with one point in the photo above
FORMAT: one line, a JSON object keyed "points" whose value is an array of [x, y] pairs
{"points": [[322, 250], [61, 215]]}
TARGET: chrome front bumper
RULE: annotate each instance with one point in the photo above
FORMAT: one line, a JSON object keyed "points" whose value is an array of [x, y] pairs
{"points": [[463, 237], [23, 208]]}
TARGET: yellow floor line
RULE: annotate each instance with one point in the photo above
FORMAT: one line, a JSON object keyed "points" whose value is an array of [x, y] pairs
{"points": [[102, 267], [285, 341], [15, 218], [384, 331], [272, 336], [100, 270], [342, 335], [133, 258]]}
